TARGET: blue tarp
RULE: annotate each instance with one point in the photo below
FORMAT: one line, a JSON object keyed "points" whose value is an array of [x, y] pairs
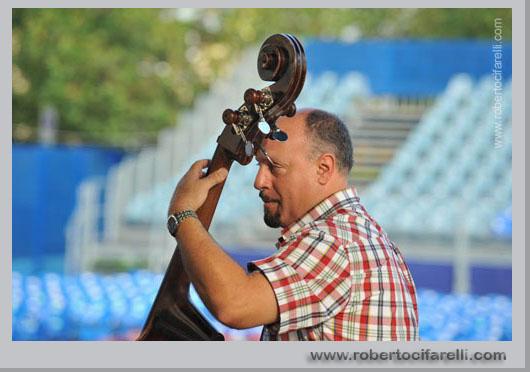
{"points": [[45, 180], [410, 68]]}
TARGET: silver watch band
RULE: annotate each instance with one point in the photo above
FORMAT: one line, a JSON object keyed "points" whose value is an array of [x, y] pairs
{"points": [[176, 219]]}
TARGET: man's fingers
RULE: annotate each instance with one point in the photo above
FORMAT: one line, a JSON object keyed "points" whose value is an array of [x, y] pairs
{"points": [[200, 164], [216, 177], [197, 167]]}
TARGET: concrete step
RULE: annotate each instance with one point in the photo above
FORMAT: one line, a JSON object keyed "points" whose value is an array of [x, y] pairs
{"points": [[387, 123], [384, 126], [392, 143], [372, 156], [377, 134]]}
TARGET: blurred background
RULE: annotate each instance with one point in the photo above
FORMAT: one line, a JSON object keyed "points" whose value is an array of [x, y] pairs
{"points": [[111, 106]]}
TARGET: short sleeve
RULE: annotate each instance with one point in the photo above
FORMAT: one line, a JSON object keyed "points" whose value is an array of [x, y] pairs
{"points": [[310, 278]]}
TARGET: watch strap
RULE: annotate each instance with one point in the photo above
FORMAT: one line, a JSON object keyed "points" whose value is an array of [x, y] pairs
{"points": [[178, 218]]}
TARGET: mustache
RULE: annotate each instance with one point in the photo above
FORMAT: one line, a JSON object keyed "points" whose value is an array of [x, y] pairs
{"points": [[266, 199]]}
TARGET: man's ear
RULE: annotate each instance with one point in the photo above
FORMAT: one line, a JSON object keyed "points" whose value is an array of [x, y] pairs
{"points": [[326, 164]]}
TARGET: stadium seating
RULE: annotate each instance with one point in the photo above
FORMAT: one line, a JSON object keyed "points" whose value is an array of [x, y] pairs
{"points": [[454, 172], [502, 224], [97, 307]]}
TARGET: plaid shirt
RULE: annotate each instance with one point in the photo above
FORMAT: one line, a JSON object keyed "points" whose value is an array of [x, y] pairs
{"points": [[337, 276]]}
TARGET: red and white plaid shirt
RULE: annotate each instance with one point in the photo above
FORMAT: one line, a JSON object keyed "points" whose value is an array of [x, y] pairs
{"points": [[337, 276]]}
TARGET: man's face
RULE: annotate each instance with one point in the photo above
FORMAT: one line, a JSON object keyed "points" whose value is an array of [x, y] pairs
{"points": [[286, 183]]}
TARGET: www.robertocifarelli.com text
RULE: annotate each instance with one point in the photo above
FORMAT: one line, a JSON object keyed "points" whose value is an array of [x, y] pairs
{"points": [[423, 355]]}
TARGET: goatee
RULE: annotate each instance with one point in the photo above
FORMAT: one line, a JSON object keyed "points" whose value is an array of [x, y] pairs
{"points": [[271, 219]]}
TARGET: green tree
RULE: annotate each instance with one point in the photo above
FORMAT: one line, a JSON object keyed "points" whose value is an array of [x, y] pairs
{"points": [[117, 76], [109, 73]]}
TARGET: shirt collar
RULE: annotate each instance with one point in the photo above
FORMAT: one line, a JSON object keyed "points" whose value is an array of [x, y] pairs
{"points": [[336, 201]]}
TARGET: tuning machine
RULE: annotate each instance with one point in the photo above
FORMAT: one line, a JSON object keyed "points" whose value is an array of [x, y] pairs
{"points": [[239, 120], [276, 133]]}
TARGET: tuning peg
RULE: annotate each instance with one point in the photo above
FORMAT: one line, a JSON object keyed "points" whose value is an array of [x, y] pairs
{"points": [[231, 117], [254, 97]]}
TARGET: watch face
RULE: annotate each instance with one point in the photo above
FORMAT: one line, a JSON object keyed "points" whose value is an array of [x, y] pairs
{"points": [[172, 225]]}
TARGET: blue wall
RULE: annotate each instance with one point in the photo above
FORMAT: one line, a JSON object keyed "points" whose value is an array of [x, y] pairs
{"points": [[45, 180], [407, 67]]}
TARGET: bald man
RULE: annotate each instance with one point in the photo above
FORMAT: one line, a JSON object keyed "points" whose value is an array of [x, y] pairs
{"points": [[335, 275]]}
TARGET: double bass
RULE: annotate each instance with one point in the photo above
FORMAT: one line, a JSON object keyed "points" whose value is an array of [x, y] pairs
{"points": [[281, 59]]}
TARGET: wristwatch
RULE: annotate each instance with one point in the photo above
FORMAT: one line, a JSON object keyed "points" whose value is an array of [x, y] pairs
{"points": [[174, 220]]}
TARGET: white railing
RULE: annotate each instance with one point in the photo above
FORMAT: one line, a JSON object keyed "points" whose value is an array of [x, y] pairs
{"points": [[82, 228]]}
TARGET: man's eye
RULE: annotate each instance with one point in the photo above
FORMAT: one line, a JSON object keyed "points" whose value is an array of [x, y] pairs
{"points": [[274, 168]]}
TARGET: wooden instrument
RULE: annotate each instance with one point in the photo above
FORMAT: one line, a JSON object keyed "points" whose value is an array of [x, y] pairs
{"points": [[281, 59]]}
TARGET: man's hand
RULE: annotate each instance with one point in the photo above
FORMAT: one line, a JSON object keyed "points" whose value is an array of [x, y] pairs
{"points": [[193, 187]]}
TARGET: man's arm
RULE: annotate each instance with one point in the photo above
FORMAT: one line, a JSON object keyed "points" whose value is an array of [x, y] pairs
{"points": [[235, 298]]}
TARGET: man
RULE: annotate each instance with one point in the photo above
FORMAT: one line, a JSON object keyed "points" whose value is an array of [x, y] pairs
{"points": [[335, 276]]}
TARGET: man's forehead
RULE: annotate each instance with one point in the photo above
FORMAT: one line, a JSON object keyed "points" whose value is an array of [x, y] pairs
{"points": [[273, 148], [295, 129], [267, 151], [295, 123]]}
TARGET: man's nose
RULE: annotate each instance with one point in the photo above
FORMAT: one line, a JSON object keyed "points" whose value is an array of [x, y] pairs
{"points": [[261, 180]]}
